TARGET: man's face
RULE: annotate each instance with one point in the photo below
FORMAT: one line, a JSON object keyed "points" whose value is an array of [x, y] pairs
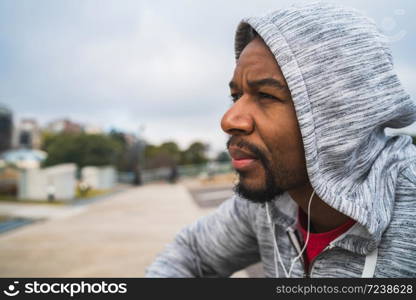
{"points": [[265, 144]]}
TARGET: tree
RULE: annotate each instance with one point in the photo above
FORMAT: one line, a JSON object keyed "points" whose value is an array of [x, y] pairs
{"points": [[47, 137], [172, 149], [165, 155], [195, 154], [223, 156], [168, 154], [118, 137], [81, 149], [128, 158]]}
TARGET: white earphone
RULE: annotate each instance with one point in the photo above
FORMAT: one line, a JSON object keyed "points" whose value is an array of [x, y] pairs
{"points": [[276, 248]]}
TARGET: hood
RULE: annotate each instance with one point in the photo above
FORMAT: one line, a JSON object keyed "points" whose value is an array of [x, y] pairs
{"points": [[340, 72]]}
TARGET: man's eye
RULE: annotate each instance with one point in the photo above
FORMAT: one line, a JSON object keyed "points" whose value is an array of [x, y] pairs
{"points": [[235, 97], [267, 96]]}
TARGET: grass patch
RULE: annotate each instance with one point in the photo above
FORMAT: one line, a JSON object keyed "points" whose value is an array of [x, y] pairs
{"points": [[90, 193], [78, 195], [7, 198], [4, 219]]}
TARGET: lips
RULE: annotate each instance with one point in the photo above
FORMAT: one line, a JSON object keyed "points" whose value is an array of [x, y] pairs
{"points": [[237, 153], [241, 159]]}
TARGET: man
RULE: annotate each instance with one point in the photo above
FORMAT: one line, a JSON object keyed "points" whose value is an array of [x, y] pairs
{"points": [[323, 192]]}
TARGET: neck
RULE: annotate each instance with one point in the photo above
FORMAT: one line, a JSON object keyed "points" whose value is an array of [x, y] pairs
{"points": [[323, 217]]}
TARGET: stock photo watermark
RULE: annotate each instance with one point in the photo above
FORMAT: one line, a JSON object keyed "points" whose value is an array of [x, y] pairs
{"points": [[71, 289]]}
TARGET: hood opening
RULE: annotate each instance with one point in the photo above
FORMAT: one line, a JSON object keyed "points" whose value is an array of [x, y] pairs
{"points": [[341, 77]]}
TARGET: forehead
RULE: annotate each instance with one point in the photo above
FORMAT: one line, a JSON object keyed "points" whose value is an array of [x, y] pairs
{"points": [[256, 59]]}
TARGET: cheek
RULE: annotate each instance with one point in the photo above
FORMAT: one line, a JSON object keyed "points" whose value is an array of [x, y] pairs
{"points": [[286, 145], [279, 130]]}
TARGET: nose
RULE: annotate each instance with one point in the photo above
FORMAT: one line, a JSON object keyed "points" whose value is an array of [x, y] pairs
{"points": [[238, 119]]}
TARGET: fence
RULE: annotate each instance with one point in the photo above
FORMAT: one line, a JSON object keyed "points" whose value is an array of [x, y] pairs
{"points": [[203, 170]]}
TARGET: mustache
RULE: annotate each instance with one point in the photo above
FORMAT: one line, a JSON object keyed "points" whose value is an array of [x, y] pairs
{"points": [[256, 151]]}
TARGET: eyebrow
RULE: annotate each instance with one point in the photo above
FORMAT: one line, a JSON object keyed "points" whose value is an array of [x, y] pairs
{"points": [[261, 82]]}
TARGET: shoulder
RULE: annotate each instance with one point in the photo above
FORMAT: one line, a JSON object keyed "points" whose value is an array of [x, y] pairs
{"points": [[397, 246], [407, 175], [404, 206], [405, 192]]}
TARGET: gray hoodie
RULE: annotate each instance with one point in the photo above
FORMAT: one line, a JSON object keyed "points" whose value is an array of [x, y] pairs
{"points": [[340, 72]]}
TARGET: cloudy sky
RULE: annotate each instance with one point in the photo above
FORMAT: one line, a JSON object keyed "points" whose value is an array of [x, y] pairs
{"points": [[162, 65]]}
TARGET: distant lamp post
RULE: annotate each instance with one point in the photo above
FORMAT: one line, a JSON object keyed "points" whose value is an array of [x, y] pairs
{"points": [[139, 148]]}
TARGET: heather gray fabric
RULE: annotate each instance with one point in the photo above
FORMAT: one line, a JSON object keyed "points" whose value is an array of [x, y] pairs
{"points": [[340, 72]]}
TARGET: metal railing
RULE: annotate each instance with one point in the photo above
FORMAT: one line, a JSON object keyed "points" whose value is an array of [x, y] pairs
{"points": [[158, 174]]}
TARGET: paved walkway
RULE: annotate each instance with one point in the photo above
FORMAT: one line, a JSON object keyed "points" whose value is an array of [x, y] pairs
{"points": [[38, 210], [116, 237]]}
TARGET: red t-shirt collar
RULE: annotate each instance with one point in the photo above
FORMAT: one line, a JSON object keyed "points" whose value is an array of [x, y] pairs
{"points": [[318, 241]]}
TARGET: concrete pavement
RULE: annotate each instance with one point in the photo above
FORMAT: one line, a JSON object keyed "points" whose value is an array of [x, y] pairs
{"points": [[117, 237], [38, 211]]}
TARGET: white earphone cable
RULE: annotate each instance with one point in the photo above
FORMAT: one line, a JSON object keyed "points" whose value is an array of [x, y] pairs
{"points": [[276, 248], [307, 234], [276, 269]]}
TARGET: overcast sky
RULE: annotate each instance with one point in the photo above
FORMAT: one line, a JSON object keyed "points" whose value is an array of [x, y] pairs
{"points": [[161, 64]]}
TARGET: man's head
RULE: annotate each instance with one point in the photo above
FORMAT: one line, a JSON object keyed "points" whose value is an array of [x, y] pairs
{"points": [[265, 143]]}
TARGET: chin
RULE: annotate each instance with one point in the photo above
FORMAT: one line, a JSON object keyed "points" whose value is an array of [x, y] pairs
{"points": [[256, 190], [252, 182]]}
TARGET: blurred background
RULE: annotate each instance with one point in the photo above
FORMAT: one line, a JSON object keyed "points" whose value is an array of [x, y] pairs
{"points": [[110, 138]]}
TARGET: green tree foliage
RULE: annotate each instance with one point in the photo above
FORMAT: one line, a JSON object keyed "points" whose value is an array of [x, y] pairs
{"points": [[46, 138], [169, 154], [127, 159], [195, 154], [223, 156], [81, 149], [414, 140], [118, 137], [164, 155]]}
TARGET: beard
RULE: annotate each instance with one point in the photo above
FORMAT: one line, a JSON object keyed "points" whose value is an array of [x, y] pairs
{"points": [[267, 191], [259, 195]]}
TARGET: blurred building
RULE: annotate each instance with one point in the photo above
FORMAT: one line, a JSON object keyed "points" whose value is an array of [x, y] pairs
{"points": [[53, 183], [23, 158], [6, 128], [64, 125], [93, 129], [28, 134]]}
